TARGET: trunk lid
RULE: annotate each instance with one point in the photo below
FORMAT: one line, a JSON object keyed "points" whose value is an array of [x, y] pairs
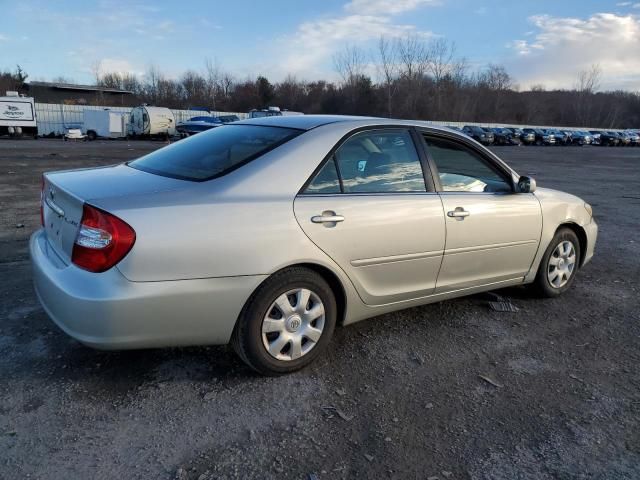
{"points": [[64, 194]]}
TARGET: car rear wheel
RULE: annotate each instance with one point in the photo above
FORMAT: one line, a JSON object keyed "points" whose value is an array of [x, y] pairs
{"points": [[287, 322], [559, 264]]}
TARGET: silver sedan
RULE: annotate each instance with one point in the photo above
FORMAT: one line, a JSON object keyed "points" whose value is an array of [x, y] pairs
{"points": [[267, 233]]}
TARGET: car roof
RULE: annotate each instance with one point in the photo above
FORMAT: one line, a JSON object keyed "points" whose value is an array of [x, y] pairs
{"points": [[302, 122], [308, 122]]}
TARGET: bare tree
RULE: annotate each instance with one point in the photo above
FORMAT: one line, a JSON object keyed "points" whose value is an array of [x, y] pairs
{"points": [[96, 71], [131, 83], [111, 80], [441, 55], [290, 92], [587, 83], [413, 55], [496, 78], [153, 78], [589, 80], [388, 69], [350, 63], [213, 77], [194, 89]]}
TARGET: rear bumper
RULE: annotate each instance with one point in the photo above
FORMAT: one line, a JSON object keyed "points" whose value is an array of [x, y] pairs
{"points": [[107, 311]]}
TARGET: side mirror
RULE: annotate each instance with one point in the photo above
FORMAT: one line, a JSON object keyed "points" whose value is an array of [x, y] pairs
{"points": [[526, 185]]}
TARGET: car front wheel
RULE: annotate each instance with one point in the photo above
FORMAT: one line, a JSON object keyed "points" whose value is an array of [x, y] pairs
{"points": [[559, 264], [287, 322]]}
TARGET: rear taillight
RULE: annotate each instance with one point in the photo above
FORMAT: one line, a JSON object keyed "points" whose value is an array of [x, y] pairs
{"points": [[102, 241], [42, 201]]}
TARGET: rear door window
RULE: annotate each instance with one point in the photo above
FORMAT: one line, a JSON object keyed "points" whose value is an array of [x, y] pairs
{"points": [[373, 161], [215, 152]]}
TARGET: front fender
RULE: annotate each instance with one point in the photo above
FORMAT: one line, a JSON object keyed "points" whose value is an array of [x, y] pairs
{"points": [[560, 208]]}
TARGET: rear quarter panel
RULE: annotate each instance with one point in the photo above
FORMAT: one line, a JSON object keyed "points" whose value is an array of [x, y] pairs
{"points": [[239, 224]]}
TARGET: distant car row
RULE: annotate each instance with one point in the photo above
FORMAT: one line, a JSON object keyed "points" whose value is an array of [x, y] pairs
{"points": [[549, 136], [200, 124]]}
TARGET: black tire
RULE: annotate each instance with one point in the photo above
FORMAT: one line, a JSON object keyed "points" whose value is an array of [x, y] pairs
{"points": [[247, 335], [541, 285], [91, 135]]}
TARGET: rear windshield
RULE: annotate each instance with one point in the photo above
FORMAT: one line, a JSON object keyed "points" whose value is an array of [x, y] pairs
{"points": [[215, 152]]}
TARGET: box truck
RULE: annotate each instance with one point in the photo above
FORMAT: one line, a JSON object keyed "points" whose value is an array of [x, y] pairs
{"points": [[105, 124], [18, 115]]}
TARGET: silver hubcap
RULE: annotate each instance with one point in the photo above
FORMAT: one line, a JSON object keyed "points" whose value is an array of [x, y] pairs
{"points": [[293, 324], [562, 263]]}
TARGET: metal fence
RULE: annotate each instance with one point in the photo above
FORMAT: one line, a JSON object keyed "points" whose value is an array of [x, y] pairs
{"points": [[57, 118]]}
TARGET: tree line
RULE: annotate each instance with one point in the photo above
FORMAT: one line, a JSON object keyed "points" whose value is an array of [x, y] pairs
{"points": [[409, 77]]}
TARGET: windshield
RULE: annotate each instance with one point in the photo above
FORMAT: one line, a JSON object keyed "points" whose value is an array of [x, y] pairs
{"points": [[215, 152]]}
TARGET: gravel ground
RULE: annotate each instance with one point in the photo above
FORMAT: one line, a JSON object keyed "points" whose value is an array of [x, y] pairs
{"points": [[450, 391]]}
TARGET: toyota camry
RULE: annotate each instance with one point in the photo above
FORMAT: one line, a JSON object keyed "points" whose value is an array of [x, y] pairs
{"points": [[268, 233]]}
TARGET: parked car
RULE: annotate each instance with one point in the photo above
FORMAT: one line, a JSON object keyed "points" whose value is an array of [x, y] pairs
{"points": [[228, 118], [504, 136], [74, 134], [265, 112], [625, 139], [605, 138], [527, 138], [561, 137], [634, 137], [579, 137], [540, 137], [478, 134], [273, 112], [265, 233], [197, 124]]}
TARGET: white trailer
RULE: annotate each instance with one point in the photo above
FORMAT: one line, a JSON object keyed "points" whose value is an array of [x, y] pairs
{"points": [[18, 116], [104, 124], [146, 121]]}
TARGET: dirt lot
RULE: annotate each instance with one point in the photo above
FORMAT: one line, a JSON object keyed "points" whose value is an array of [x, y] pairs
{"points": [[409, 402]]}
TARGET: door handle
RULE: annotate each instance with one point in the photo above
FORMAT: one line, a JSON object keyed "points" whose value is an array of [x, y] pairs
{"points": [[328, 218], [458, 213]]}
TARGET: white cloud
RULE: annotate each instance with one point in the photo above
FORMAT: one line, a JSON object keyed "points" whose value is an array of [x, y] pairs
{"points": [[388, 7], [562, 47], [314, 42], [120, 65], [3, 38], [623, 4]]}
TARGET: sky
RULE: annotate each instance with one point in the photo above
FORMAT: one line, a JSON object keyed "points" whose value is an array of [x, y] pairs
{"points": [[539, 42]]}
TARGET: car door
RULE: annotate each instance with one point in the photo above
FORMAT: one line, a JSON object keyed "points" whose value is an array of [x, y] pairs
{"points": [[492, 232], [368, 208]]}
